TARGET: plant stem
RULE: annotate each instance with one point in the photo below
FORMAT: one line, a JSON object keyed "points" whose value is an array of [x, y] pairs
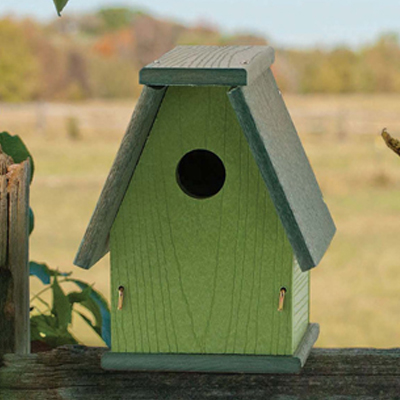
{"points": [[44, 290]]}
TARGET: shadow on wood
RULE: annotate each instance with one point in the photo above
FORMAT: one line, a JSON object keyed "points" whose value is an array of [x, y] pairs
{"points": [[74, 372]]}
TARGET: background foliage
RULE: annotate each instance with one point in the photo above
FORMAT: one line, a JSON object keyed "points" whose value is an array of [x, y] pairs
{"points": [[98, 55]]}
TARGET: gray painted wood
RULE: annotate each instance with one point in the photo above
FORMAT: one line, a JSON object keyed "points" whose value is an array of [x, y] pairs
{"points": [[209, 65], [95, 243], [227, 363], [75, 373], [285, 168], [306, 344]]}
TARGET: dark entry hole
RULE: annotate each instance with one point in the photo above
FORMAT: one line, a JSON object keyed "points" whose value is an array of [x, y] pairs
{"points": [[200, 174]]}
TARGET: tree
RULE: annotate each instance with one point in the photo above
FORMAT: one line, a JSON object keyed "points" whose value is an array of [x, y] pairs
{"points": [[18, 65]]}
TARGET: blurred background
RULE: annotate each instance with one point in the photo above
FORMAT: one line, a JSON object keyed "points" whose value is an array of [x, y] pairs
{"points": [[69, 85]]}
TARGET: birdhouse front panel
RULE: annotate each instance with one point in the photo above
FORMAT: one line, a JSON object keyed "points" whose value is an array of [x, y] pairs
{"points": [[197, 244]]}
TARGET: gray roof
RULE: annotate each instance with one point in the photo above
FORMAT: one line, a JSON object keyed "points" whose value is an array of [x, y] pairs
{"points": [[273, 141], [208, 66]]}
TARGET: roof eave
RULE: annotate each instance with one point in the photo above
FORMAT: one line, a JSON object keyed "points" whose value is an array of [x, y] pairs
{"points": [[95, 243]]}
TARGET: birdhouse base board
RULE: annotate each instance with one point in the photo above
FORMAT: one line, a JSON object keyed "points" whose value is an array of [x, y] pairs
{"points": [[219, 363]]}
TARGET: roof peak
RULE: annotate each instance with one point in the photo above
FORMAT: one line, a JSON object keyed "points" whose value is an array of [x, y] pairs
{"points": [[208, 66]]}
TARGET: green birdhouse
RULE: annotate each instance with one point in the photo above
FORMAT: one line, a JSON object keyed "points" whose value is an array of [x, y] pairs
{"points": [[213, 219]]}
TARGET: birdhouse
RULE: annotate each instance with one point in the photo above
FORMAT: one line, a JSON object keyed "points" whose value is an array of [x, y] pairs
{"points": [[213, 219]]}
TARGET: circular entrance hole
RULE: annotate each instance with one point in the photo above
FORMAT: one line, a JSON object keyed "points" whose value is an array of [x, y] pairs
{"points": [[200, 174]]}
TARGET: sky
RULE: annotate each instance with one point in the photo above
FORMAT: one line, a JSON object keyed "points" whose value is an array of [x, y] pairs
{"points": [[289, 23]]}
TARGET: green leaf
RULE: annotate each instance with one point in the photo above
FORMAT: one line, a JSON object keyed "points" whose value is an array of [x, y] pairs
{"points": [[15, 148], [89, 322], [43, 325], [61, 306], [79, 297], [44, 328], [98, 306], [60, 4], [91, 305], [31, 221], [41, 271]]}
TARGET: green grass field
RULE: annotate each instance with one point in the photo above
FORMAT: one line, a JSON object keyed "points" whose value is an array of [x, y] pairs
{"points": [[355, 290]]}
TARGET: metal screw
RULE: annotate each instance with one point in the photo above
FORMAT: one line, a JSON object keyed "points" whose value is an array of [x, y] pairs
{"points": [[121, 290], [282, 294]]}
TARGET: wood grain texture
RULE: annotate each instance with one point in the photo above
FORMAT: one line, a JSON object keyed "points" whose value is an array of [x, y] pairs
{"points": [[6, 285], [95, 242], [301, 303], [285, 168], [18, 252], [3, 220], [200, 276], [74, 373], [209, 65], [5, 162]]}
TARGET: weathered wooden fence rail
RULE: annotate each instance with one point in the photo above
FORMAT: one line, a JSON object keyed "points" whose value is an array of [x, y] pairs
{"points": [[74, 372]]}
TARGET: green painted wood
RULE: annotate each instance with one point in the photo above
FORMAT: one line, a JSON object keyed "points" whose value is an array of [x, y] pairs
{"points": [[285, 168], [300, 303], [307, 342], [95, 243], [209, 65], [200, 276], [225, 363]]}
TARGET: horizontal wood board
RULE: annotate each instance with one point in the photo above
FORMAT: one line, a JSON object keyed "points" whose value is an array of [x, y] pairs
{"points": [[209, 65], [285, 168], [200, 276], [75, 373], [227, 363], [95, 243]]}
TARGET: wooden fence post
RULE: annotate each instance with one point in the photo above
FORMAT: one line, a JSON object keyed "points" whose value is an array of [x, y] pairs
{"points": [[14, 256]]}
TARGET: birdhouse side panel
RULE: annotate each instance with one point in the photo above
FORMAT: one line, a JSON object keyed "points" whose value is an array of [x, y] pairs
{"points": [[201, 273], [301, 303]]}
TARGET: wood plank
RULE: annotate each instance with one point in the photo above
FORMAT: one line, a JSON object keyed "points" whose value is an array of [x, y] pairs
{"points": [[75, 373], [18, 251], [95, 242], [300, 303], [200, 275], [3, 220], [306, 344], [6, 284], [209, 65], [6, 287], [285, 168], [226, 363]]}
